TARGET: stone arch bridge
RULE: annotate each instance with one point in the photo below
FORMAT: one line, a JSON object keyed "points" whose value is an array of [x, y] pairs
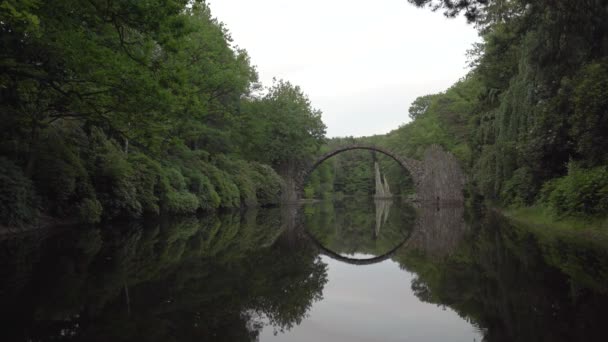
{"points": [[437, 177]]}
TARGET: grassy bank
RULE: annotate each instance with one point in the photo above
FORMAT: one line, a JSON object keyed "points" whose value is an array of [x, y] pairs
{"points": [[542, 222]]}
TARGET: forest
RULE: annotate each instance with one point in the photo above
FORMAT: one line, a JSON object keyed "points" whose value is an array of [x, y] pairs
{"points": [[121, 109]]}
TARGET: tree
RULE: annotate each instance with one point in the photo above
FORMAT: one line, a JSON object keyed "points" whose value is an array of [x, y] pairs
{"points": [[473, 9], [123, 107], [282, 126], [420, 106]]}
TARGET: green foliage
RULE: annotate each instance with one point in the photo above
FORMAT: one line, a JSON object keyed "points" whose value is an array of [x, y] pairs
{"points": [[241, 174], [484, 172], [149, 181], [181, 202], [267, 184], [201, 186], [581, 192], [590, 118], [142, 108], [281, 127], [534, 101], [444, 121], [112, 177], [19, 14], [224, 186], [474, 10], [175, 179], [420, 106], [18, 202], [548, 110], [520, 188], [90, 211]]}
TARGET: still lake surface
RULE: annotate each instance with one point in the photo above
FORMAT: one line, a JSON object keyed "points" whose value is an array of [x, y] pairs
{"points": [[357, 270]]}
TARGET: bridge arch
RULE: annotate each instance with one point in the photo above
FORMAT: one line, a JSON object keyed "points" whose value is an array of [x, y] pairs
{"points": [[414, 167]]}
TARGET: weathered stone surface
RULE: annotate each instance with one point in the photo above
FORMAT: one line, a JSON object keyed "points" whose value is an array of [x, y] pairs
{"points": [[442, 179]]}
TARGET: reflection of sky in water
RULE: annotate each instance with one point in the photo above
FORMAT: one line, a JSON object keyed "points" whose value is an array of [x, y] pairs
{"points": [[374, 303]]}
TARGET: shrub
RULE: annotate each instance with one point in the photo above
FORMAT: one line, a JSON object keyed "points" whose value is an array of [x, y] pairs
{"points": [[175, 178], [242, 175], [201, 186], [581, 192], [113, 178], [239, 172], [267, 183], [147, 179], [18, 203], [181, 202], [89, 211], [520, 189], [223, 185]]}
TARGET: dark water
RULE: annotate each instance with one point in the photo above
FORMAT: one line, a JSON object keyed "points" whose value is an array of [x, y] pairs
{"points": [[351, 271]]}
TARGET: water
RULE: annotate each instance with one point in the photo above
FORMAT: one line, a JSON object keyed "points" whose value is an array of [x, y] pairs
{"points": [[349, 271]]}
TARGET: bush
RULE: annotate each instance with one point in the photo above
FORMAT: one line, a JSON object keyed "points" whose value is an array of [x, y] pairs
{"points": [[201, 186], [181, 203], [582, 192], [520, 189], [242, 175], [90, 210], [224, 186], [147, 178], [175, 178], [18, 202], [267, 183], [113, 178]]}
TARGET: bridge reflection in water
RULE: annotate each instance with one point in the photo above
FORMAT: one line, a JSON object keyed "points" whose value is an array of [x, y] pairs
{"points": [[435, 230]]}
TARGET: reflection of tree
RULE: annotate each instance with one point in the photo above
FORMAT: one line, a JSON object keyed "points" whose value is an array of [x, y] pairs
{"points": [[516, 287], [191, 279], [350, 226], [288, 289]]}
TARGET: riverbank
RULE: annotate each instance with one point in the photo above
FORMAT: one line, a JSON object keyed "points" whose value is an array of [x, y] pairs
{"points": [[544, 224]]}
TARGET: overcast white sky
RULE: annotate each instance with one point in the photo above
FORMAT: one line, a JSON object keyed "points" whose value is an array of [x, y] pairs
{"points": [[361, 62]]}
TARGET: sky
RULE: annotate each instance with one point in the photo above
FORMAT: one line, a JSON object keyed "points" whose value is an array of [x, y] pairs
{"points": [[362, 63]]}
